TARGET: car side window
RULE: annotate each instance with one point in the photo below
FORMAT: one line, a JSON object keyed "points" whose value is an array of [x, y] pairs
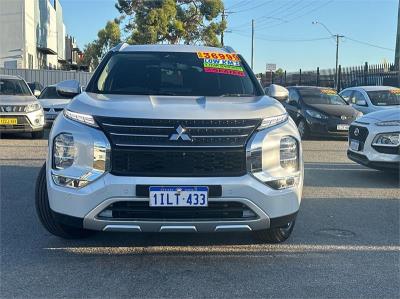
{"points": [[346, 95], [358, 98], [294, 97]]}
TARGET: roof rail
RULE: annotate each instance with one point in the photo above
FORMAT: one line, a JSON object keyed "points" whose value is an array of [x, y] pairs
{"points": [[119, 47], [228, 49]]}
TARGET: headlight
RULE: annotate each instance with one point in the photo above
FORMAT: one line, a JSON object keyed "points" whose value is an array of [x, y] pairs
{"points": [[64, 151], [273, 121], [316, 114], [387, 139], [359, 114], [289, 157], [80, 117], [389, 123], [33, 107]]}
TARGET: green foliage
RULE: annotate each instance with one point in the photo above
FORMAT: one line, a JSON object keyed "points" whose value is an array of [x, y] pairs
{"points": [[107, 38], [172, 21], [279, 72]]}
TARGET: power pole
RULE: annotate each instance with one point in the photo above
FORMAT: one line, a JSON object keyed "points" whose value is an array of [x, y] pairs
{"points": [[223, 20], [337, 60], [252, 43]]}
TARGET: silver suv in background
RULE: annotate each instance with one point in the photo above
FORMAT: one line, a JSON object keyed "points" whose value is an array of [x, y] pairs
{"points": [[53, 103], [367, 99], [20, 111], [172, 138]]}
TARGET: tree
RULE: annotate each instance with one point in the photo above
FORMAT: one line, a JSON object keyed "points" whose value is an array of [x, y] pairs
{"points": [[279, 72], [172, 21], [107, 38]]}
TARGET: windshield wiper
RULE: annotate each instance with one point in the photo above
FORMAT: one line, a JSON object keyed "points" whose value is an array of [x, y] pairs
{"points": [[237, 95]]}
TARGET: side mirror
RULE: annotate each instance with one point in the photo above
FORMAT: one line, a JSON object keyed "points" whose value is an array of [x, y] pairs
{"points": [[278, 92], [36, 93], [361, 103], [69, 88]]}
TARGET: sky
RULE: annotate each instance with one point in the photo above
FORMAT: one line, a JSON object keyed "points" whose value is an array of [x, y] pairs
{"points": [[284, 33]]}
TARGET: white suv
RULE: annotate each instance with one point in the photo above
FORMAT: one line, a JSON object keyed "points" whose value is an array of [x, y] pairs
{"points": [[171, 138], [20, 111]]}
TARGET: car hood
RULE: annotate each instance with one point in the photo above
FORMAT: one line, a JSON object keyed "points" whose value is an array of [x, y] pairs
{"points": [[381, 115], [335, 110], [17, 100], [54, 103], [176, 107]]}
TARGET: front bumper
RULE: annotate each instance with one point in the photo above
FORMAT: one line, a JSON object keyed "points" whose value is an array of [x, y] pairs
{"points": [[382, 165], [373, 156], [327, 127], [83, 205], [26, 122]]}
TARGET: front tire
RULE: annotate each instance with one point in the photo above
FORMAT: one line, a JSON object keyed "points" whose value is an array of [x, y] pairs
{"points": [[38, 134], [275, 235], [303, 129], [45, 214]]}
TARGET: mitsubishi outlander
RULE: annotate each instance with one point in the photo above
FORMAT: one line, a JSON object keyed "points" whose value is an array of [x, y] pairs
{"points": [[172, 138]]}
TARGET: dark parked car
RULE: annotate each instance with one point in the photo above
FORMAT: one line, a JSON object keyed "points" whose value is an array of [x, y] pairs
{"points": [[319, 111]]}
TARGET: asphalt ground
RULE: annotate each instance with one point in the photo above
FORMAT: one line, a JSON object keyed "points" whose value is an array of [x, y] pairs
{"points": [[345, 242]]}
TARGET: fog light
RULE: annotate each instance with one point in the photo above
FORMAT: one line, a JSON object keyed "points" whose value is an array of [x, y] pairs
{"points": [[69, 182], [289, 154], [255, 160], [283, 183], [64, 151]]}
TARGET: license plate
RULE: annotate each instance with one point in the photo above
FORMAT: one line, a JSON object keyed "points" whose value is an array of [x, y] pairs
{"points": [[354, 145], [174, 196], [8, 121], [342, 127]]}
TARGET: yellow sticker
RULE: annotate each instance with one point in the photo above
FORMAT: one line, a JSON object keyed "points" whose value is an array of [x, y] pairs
{"points": [[216, 55], [328, 91], [395, 91]]}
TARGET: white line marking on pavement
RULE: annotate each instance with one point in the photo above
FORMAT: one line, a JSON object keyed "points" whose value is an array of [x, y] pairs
{"points": [[232, 249]]}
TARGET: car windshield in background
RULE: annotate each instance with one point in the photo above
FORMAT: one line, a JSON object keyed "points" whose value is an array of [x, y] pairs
{"points": [[14, 87], [51, 93], [321, 96], [179, 74], [385, 97]]}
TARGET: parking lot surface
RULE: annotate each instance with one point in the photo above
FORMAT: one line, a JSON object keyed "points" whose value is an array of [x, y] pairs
{"points": [[345, 243]]}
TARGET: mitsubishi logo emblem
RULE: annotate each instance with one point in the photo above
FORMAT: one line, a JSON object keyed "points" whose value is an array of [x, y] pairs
{"points": [[343, 117], [356, 132], [180, 133], [8, 109]]}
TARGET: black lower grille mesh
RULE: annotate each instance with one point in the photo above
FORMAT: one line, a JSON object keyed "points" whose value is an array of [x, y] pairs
{"points": [[140, 210], [178, 162]]}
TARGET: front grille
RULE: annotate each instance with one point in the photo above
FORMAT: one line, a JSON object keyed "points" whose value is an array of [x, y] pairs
{"points": [[12, 108], [182, 148], [178, 162], [362, 133], [127, 132], [141, 211]]}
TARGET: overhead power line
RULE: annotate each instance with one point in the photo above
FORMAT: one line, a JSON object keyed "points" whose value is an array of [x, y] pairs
{"points": [[368, 44]]}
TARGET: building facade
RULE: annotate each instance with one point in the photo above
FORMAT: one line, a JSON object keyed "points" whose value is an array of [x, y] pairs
{"points": [[33, 34]]}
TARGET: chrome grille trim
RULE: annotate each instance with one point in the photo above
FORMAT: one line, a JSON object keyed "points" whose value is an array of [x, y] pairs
{"points": [[12, 108]]}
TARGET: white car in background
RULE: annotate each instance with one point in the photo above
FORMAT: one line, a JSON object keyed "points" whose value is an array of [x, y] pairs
{"points": [[374, 140], [367, 99], [53, 103]]}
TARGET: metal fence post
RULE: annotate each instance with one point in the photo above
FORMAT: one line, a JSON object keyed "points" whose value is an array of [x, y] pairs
{"points": [[366, 73], [300, 77], [285, 78], [317, 83], [339, 76]]}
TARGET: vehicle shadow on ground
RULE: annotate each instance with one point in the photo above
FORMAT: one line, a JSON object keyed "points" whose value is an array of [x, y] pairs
{"points": [[348, 175]]}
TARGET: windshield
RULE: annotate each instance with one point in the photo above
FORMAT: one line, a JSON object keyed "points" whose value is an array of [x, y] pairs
{"points": [[385, 97], [14, 87], [321, 96], [181, 74], [51, 93]]}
